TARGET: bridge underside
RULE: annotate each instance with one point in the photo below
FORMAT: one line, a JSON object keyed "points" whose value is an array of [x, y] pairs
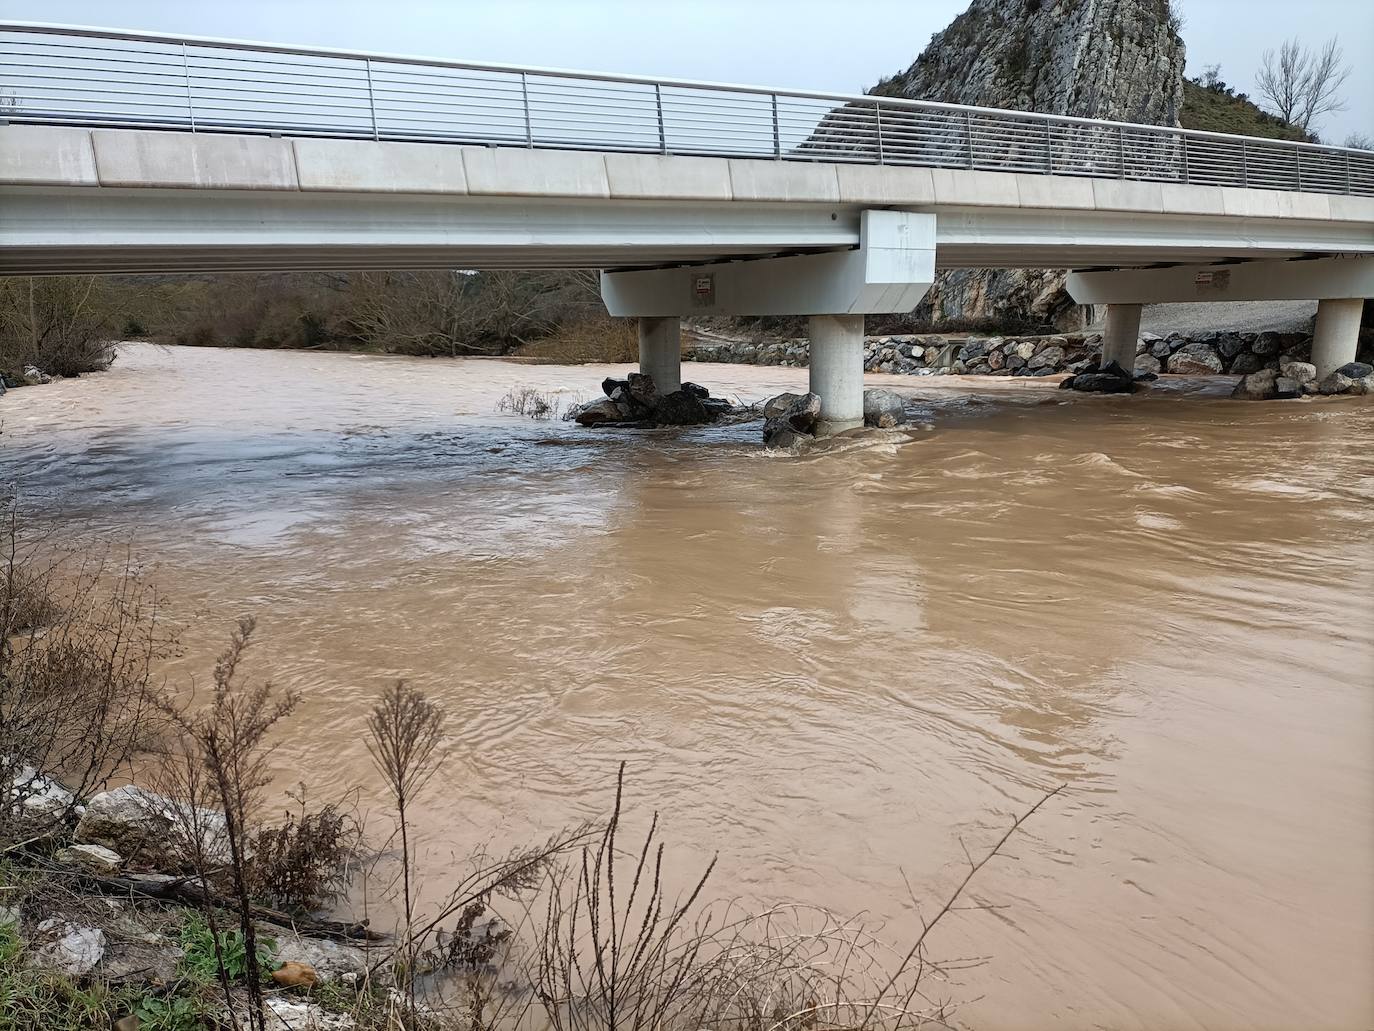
{"points": [[57, 230]]}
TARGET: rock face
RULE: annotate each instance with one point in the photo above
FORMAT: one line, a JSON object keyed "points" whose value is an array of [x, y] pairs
{"points": [[1120, 60]]}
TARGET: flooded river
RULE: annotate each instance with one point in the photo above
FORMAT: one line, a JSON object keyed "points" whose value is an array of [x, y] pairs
{"points": [[831, 668]]}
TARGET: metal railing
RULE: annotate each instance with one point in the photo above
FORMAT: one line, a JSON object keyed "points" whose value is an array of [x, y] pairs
{"points": [[69, 75]]}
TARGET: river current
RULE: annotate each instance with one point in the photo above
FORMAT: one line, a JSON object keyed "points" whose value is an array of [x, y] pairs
{"points": [[831, 668]]}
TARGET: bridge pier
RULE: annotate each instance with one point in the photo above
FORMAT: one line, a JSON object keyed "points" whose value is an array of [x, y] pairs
{"points": [[1337, 335], [837, 370], [660, 351], [1120, 335]]}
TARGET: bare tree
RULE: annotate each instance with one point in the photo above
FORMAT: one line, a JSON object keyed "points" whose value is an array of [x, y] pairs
{"points": [[1300, 85], [1359, 141]]}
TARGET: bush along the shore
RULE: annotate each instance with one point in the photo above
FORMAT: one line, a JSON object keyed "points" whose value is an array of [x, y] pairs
{"points": [[156, 908], [1199, 354]]}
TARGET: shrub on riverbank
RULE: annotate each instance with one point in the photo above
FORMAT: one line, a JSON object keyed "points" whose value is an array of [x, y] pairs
{"points": [[61, 325]]}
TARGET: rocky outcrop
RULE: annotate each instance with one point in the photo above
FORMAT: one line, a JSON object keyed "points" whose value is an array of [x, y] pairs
{"points": [[1120, 60]]}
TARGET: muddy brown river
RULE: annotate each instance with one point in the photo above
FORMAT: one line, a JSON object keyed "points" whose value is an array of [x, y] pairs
{"points": [[830, 668]]}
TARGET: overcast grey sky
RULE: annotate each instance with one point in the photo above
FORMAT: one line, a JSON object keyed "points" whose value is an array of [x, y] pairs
{"points": [[832, 45]]}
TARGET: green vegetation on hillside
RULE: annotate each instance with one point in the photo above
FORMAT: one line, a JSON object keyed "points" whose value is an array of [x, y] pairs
{"points": [[1215, 108]]}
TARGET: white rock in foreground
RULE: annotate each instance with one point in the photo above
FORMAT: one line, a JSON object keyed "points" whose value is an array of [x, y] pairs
{"points": [[92, 858], [285, 1015], [140, 824], [66, 948]]}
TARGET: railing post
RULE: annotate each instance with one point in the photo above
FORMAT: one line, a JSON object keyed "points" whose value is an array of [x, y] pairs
{"points": [[372, 100], [777, 130], [1297, 163], [1049, 146], [878, 119], [186, 72], [968, 135], [1186, 175], [1347, 171], [525, 101], [1244, 164], [662, 131], [1120, 153]]}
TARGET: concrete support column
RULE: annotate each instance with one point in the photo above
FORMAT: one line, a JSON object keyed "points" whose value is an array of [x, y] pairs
{"points": [[1120, 336], [1337, 334], [837, 370], [660, 351]]}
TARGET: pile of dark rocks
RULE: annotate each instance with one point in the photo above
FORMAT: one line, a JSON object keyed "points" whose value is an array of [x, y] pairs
{"points": [[1105, 379], [1296, 379], [791, 419], [636, 402]]}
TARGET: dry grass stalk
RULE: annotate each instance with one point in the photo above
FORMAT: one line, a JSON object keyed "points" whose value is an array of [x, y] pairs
{"points": [[223, 757]]}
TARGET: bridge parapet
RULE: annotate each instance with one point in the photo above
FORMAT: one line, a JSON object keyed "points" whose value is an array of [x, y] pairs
{"points": [[70, 75]]}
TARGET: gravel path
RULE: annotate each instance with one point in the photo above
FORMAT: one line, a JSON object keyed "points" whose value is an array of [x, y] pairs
{"points": [[1232, 316]]}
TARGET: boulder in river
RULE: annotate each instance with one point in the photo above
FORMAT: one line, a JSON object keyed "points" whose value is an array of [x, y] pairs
{"points": [[884, 409], [1108, 379], [602, 412], [794, 421], [1257, 386], [680, 408]]}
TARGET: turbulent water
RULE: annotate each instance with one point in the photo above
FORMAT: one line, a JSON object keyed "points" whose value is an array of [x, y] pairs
{"points": [[831, 668]]}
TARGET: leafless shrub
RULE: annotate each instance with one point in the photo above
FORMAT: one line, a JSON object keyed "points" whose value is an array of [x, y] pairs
{"points": [[78, 636], [592, 337], [618, 951], [222, 756], [304, 862], [530, 402], [64, 325]]}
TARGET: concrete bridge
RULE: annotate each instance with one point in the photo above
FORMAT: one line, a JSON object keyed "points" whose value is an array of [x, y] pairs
{"points": [[134, 152]]}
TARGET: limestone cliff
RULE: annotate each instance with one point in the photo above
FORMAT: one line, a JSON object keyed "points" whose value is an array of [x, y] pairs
{"points": [[1114, 59]]}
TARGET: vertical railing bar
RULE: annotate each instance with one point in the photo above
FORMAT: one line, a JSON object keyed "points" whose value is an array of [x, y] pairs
{"points": [[525, 101], [1244, 164], [1297, 165], [1120, 153], [777, 130], [186, 72], [968, 134], [1186, 174], [878, 118], [371, 100], [1347, 171], [1049, 146], [662, 130]]}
